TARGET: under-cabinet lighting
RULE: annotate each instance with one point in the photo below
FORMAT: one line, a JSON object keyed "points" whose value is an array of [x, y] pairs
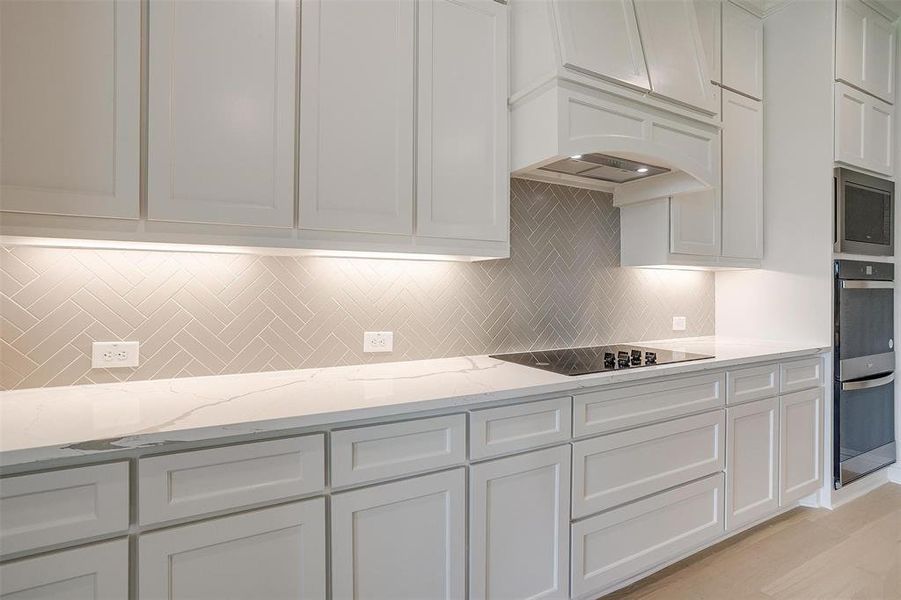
{"points": [[641, 170], [576, 156]]}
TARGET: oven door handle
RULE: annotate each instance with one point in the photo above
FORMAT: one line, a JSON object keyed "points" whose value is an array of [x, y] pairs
{"points": [[867, 284], [848, 386]]}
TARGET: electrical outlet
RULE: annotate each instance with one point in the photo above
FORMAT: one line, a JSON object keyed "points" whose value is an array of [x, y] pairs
{"points": [[378, 341], [678, 323], [112, 355]]}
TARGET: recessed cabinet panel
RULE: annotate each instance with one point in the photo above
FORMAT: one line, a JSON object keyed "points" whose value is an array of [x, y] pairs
{"points": [[709, 14], [801, 374], [864, 134], [221, 126], [274, 552], [695, 223], [95, 572], [602, 39], [357, 115], [70, 107], [519, 526], [463, 171], [752, 383], [506, 429], [801, 446], [675, 54], [742, 187], [752, 462], [865, 49], [742, 51], [401, 540]]}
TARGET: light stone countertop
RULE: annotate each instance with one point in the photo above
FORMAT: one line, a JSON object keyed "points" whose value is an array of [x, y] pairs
{"points": [[52, 424]]}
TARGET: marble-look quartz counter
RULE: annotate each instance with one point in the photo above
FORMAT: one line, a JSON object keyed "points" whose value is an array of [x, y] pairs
{"points": [[52, 424]]}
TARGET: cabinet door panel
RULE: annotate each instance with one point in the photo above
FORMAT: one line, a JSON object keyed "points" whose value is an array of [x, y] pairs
{"points": [[864, 134], [710, 21], [602, 39], [274, 552], [752, 462], [98, 571], [674, 51], [695, 223], [403, 540], [69, 107], [801, 445], [520, 549], [463, 173], [865, 49], [742, 51], [742, 176], [221, 112], [357, 116]]}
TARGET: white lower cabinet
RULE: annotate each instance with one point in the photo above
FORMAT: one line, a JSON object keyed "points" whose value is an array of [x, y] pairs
{"points": [[96, 572], [519, 526], [752, 460], [401, 540], [274, 552], [801, 445], [623, 542]]}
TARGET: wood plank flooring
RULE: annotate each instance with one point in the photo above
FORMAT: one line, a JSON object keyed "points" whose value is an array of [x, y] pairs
{"points": [[853, 552]]}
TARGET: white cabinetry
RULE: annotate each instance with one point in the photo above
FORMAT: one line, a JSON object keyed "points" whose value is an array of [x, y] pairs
{"points": [[865, 49], [462, 169], [356, 157], [275, 552], [92, 572], [695, 223], [742, 188], [864, 128], [752, 461], [70, 107], [401, 540], [221, 108], [710, 24], [801, 445], [519, 526], [742, 51]]}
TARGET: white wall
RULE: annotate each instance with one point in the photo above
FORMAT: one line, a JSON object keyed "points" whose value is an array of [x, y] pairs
{"points": [[790, 298]]}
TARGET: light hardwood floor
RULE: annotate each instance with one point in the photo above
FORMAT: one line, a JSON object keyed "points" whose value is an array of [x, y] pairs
{"points": [[853, 552]]}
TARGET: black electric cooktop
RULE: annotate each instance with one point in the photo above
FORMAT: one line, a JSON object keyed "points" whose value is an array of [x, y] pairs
{"points": [[595, 359]]}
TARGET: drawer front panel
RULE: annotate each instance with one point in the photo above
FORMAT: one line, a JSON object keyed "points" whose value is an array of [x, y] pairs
{"points": [[496, 431], [62, 506], [385, 451], [193, 483], [801, 375], [624, 542], [621, 467], [755, 383], [611, 410]]}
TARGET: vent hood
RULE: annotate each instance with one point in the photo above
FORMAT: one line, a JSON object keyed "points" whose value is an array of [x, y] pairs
{"points": [[567, 133]]}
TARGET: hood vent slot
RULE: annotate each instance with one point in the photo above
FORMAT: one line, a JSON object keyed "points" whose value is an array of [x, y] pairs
{"points": [[604, 168]]}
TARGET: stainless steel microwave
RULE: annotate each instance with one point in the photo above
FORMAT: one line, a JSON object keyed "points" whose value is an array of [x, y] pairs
{"points": [[864, 213]]}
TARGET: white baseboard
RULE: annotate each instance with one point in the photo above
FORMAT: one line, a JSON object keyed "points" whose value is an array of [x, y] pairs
{"points": [[894, 473], [859, 488]]}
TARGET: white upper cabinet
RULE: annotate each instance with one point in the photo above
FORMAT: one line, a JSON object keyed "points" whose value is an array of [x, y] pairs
{"points": [[600, 38], [865, 49], [695, 223], [864, 127], [742, 51], [221, 112], [742, 188], [710, 24], [675, 53], [357, 115], [70, 107], [463, 172]]}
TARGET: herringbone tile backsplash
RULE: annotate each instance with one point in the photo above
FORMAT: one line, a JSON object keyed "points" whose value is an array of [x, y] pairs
{"points": [[203, 314]]}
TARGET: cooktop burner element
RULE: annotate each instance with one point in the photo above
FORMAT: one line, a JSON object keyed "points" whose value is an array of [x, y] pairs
{"points": [[594, 359]]}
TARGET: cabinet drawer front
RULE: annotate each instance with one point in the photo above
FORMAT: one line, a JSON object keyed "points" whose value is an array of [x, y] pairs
{"points": [[603, 411], [386, 451], [621, 467], [496, 431], [755, 383], [61, 506], [801, 375], [193, 483], [624, 542]]}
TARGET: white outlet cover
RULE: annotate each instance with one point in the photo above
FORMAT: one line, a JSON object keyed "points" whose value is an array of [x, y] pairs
{"points": [[678, 323], [113, 355], [378, 341]]}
